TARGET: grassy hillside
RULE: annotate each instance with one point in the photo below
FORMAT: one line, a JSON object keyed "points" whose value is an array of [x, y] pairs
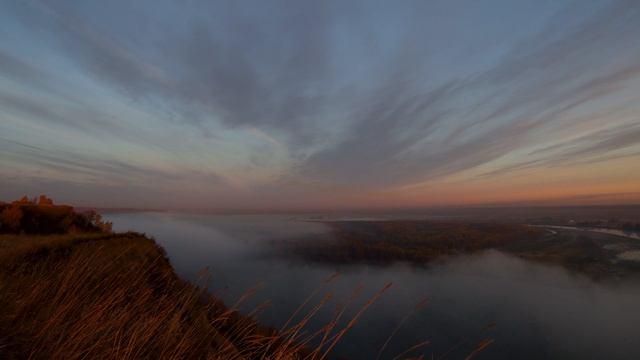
{"points": [[100, 296]]}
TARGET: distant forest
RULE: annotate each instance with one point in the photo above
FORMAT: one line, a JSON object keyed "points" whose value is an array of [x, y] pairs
{"points": [[414, 241]]}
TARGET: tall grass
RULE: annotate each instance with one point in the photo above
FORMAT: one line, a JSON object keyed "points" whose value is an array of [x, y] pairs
{"points": [[117, 297]]}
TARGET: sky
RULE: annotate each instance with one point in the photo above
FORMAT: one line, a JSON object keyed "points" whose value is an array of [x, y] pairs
{"points": [[277, 105]]}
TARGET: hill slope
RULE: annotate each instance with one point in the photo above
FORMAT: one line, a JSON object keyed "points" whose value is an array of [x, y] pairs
{"points": [[106, 296]]}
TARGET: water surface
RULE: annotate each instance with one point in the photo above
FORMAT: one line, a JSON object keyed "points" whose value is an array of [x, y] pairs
{"points": [[539, 311], [616, 232]]}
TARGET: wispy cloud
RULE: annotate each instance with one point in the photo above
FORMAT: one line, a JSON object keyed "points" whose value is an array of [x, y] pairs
{"points": [[335, 95]]}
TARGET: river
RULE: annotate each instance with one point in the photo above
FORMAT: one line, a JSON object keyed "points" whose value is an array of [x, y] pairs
{"points": [[539, 311], [616, 232]]}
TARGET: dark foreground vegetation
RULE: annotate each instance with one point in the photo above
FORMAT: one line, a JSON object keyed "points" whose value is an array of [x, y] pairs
{"points": [[422, 242]]}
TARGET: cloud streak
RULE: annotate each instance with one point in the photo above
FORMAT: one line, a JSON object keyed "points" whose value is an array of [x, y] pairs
{"points": [[347, 96]]}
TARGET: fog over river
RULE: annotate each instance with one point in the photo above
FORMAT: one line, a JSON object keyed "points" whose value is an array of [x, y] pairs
{"points": [[540, 311]]}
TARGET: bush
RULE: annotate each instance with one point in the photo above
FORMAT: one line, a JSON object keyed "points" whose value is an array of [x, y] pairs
{"points": [[11, 218]]}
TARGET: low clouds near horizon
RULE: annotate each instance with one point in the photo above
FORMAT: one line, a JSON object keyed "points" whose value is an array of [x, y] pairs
{"points": [[301, 104]]}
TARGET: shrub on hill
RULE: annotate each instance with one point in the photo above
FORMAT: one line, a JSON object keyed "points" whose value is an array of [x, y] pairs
{"points": [[41, 216]]}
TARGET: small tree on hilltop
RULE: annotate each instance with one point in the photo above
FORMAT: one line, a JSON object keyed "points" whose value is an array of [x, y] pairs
{"points": [[96, 220], [23, 201], [44, 201]]}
